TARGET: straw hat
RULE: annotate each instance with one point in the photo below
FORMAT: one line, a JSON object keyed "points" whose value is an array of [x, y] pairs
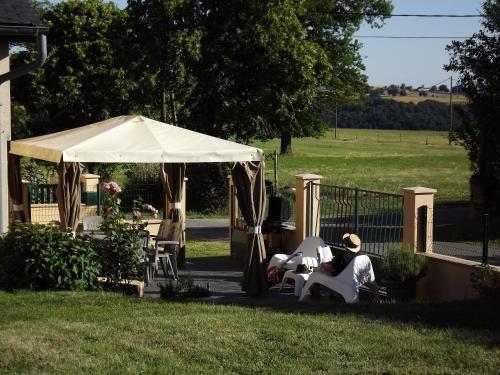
{"points": [[352, 242]]}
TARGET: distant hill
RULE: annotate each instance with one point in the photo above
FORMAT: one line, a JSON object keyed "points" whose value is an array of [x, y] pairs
{"points": [[380, 113]]}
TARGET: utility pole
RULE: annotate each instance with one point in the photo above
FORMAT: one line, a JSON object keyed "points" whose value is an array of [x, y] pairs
{"points": [[451, 110], [336, 119]]}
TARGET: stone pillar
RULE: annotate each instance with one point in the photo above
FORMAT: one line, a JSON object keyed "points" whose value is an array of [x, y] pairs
{"points": [[418, 201], [4, 138], [90, 182], [306, 212]]}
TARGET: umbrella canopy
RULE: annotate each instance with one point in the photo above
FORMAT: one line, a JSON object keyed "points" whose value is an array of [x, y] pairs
{"points": [[133, 139]]}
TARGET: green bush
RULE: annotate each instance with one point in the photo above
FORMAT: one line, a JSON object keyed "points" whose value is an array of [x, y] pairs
{"points": [[183, 288], [143, 173], [119, 251], [401, 264], [207, 187], [38, 256], [486, 281]]}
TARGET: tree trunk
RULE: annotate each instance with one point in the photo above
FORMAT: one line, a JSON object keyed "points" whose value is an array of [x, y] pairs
{"points": [[286, 141]]}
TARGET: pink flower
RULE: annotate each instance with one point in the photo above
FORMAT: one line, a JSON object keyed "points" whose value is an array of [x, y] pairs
{"points": [[114, 187], [109, 209], [137, 215], [105, 186]]}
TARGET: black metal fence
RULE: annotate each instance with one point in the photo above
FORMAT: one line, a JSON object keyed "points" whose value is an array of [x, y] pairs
{"points": [[376, 217], [43, 200], [462, 233]]}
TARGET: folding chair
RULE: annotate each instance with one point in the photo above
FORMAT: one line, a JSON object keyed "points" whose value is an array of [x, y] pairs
{"points": [[167, 243]]}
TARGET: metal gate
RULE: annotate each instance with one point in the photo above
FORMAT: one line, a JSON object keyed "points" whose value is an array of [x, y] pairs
{"points": [[376, 217]]}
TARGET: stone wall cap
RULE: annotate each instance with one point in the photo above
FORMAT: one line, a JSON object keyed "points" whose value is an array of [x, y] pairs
{"points": [[419, 190], [90, 175], [309, 176]]}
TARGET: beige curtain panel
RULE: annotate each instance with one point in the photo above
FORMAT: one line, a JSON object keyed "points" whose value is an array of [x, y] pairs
{"points": [[15, 187], [172, 177], [68, 194], [248, 178]]}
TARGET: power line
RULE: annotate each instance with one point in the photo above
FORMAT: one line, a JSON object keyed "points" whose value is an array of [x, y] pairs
{"points": [[409, 37], [417, 15]]}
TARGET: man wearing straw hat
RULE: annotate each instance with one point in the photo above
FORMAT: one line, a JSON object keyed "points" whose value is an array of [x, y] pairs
{"points": [[352, 245]]}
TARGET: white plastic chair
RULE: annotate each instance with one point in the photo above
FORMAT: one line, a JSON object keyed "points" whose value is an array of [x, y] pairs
{"points": [[358, 272], [299, 278], [309, 249], [92, 223]]}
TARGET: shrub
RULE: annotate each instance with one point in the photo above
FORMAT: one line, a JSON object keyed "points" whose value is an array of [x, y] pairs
{"points": [[143, 173], [486, 281], [38, 256], [401, 264], [119, 251], [207, 187], [183, 288]]}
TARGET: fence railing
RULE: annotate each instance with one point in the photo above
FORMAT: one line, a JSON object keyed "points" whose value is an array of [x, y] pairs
{"points": [[43, 200], [462, 233], [376, 217]]}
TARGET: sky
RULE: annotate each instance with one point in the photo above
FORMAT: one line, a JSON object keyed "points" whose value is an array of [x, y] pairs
{"points": [[414, 62]]}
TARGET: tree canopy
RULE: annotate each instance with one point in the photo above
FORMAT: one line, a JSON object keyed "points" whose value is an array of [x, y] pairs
{"points": [[83, 79], [233, 68], [477, 61]]}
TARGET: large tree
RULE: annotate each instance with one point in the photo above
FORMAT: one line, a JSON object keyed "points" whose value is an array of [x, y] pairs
{"points": [[164, 43], [477, 61], [267, 64], [83, 79]]}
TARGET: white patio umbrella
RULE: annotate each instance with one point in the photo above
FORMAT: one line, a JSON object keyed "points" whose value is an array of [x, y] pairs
{"points": [[133, 139]]}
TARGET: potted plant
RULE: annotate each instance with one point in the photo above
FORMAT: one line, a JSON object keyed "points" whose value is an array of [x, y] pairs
{"points": [[402, 268]]}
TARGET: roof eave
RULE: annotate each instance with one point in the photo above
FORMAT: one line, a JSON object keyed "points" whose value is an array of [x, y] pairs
{"points": [[21, 33]]}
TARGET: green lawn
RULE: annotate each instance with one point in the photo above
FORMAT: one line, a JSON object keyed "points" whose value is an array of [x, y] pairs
{"points": [[381, 160], [105, 333]]}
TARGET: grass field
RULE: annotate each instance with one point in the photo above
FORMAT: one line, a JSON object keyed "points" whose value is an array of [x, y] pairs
{"points": [[104, 333], [381, 160], [441, 98]]}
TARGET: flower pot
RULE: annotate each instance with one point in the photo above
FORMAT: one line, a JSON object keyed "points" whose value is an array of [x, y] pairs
{"points": [[401, 290]]}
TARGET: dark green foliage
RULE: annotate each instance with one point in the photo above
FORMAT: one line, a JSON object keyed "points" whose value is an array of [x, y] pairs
{"points": [[486, 281], [143, 173], [207, 187], [119, 251], [477, 61], [378, 113], [37, 171], [183, 288], [37, 257], [401, 264], [266, 63], [83, 79]]}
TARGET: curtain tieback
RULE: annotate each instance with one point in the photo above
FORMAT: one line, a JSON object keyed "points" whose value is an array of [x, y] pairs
{"points": [[18, 207], [177, 205], [254, 230]]}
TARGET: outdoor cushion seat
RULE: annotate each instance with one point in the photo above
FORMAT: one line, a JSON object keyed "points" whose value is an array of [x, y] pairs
{"points": [[308, 248], [358, 272]]}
